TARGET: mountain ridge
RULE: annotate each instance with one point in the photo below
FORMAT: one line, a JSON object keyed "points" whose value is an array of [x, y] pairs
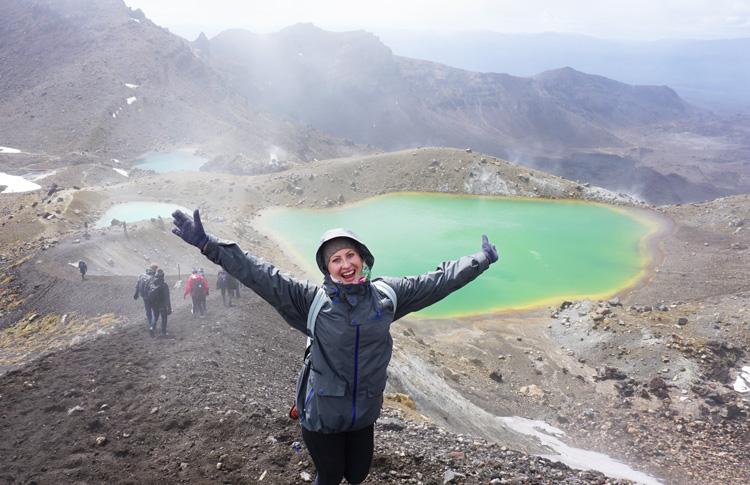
{"points": [[115, 85]]}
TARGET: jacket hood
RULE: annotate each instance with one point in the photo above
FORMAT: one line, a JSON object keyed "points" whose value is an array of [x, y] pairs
{"points": [[364, 253]]}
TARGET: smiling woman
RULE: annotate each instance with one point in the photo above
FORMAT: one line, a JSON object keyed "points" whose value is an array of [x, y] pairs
{"points": [[347, 320], [552, 250], [344, 262]]}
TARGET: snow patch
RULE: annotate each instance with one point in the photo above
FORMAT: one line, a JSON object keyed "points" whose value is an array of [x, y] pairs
{"points": [[9, 150], [417, 378], [120, 171], [132, 86], [742, 384], [40, 176], [15, 184], [574, 457], [114, 115], [131, 100], [115, 160]]}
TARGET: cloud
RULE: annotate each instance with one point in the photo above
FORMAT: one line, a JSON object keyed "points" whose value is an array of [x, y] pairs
{"points": [[641, 19]]}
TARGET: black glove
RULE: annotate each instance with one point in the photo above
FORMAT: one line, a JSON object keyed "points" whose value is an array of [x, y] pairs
{"points": [[190, 230], [489, 249], [135, 297]]}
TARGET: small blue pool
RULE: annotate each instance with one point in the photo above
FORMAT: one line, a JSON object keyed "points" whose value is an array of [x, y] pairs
{"points": [[138, 211], [180, 160]]}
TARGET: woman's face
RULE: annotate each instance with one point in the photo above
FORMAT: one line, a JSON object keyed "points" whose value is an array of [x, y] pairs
{"points": [[345, 266]]}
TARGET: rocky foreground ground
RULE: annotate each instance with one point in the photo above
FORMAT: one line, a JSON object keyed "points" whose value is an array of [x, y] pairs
{"points": [[209, 404], [88, 396]]}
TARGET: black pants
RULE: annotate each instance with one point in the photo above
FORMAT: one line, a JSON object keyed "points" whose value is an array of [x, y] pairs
{"points": [[199, 305], [163, 314], [341, 455]]}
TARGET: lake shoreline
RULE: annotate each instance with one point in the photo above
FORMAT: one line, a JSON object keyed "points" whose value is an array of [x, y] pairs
{"points": [[653, 223]]}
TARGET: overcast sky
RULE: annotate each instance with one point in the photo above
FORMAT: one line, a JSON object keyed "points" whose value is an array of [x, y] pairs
{"points": [[621, 19]]}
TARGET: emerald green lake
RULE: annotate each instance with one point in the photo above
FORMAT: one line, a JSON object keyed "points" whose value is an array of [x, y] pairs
{"points": [[549, 250]]}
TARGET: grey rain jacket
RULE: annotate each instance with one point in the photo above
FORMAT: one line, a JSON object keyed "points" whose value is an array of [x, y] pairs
{"points": [[140, 285], [341, 389]]}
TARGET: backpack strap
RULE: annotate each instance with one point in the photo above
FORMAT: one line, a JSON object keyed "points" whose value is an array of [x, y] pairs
{"points": [[312, 315], [386, 289]]}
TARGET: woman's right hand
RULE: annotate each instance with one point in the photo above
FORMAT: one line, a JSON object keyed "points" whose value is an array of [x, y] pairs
{"points": [[190, 230]]}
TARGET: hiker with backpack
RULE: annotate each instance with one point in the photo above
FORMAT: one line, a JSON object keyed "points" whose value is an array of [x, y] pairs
{"points": [[347, 320], [223, 284], [82, 268], [203, 294], [234, 286], [197, 287], [157, 293], [141, 287]]}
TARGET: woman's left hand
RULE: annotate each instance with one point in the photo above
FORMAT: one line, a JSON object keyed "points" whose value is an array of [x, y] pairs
{"points": [[190, 230], [489, 249]]}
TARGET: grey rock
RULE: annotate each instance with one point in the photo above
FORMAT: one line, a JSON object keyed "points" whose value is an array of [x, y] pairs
{"points": [[391, 424], [606, 373], [75, 409], [450, 476], [731, 411]]}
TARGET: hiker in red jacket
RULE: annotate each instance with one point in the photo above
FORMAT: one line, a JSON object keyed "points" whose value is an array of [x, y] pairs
{"points": [[197, 288]]}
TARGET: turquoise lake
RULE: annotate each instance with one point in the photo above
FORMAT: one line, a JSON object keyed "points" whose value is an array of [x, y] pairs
{"points": [[139, 211], [550, 250]]}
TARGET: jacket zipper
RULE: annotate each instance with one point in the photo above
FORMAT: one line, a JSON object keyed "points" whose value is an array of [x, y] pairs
{"points": [[356, 378]]}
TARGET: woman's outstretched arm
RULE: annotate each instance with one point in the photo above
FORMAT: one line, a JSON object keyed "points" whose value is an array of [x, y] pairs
{"points": [[417, 292], [290, 297]]}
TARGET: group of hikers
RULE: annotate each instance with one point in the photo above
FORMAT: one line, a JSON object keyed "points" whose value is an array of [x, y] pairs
{"points": [[157, 303], [155, 293]]}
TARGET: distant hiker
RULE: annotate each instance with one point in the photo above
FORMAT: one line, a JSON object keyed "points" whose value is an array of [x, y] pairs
{"points": [[141, 287], [195, 310], [222, 283], [347, 321], [233, 285], [197, 287], [82, 267], [161, 303], [202, 295]]}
